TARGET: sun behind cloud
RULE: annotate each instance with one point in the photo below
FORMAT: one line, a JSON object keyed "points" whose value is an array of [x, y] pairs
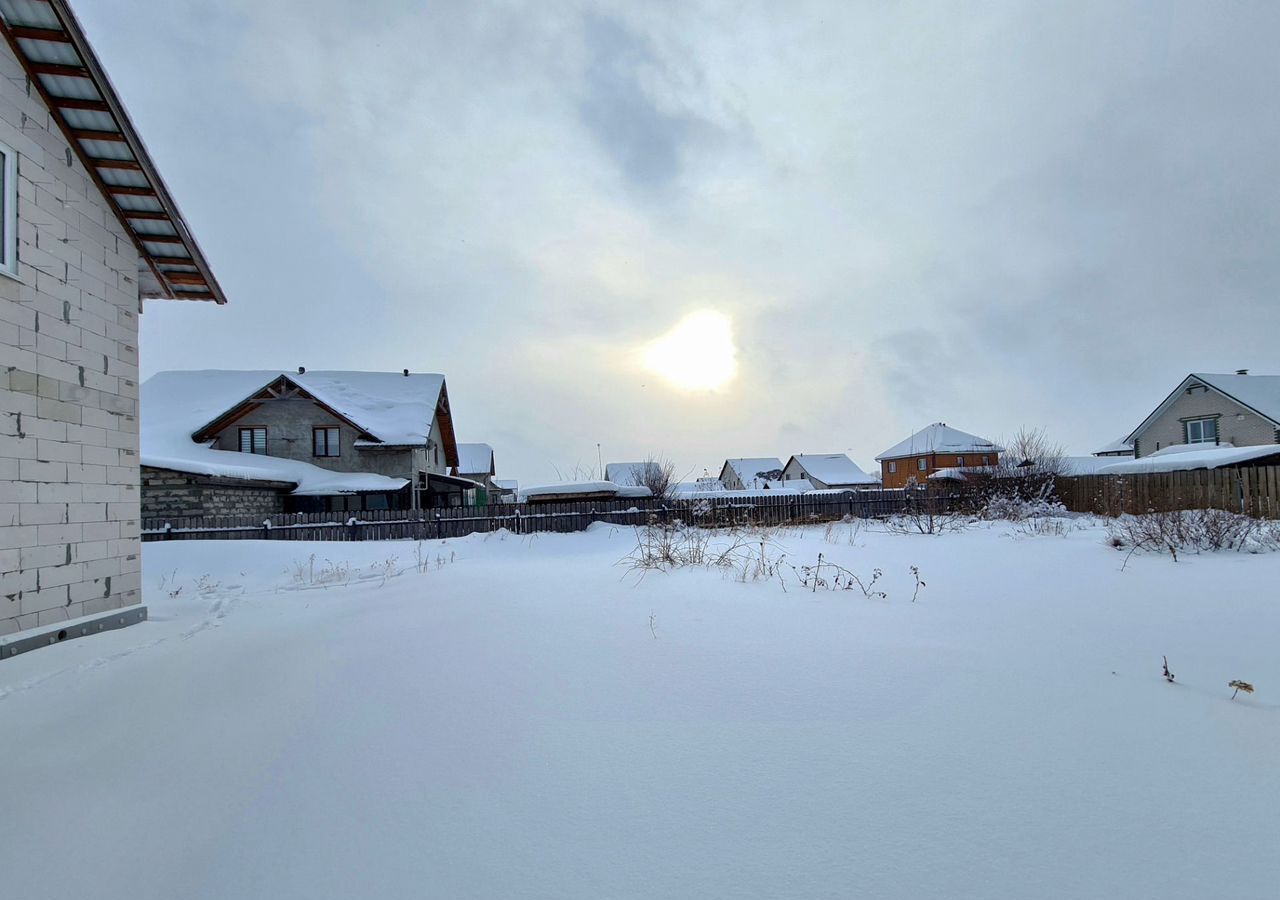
{"points": [[697, 354]]}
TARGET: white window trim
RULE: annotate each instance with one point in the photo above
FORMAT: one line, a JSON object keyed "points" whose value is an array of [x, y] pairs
{"points": [[10, 211], [1200, 422]]}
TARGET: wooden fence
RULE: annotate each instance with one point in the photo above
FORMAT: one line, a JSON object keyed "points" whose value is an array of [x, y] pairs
{"points": [[1253, 491], [526, 518]]}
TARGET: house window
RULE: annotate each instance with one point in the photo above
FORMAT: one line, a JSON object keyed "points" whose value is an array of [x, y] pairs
{"points": [[959, 460], [986, 460], [922, 464], [9, 213], [253, 440], [1202, 431], [893, 466], [325, 442]]}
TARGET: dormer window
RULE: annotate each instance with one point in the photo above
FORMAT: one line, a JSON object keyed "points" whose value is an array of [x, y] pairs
{"points": [[326, 442], [253, 440]]}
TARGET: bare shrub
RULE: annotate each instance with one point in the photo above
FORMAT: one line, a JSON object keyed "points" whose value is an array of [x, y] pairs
{"points": [[830, 576], [927, 509], [1193, 531], [658, 475]]}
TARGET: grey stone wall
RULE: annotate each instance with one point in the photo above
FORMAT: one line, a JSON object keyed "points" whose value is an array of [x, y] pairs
{"points": [[69, 498], [166, 493], [1236, 424]]}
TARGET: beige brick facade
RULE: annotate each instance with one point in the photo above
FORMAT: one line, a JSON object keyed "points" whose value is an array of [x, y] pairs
{"points": [[69, 497], [1235, 423]]}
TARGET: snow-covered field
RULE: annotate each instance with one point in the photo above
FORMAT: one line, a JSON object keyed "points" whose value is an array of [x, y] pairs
{"points": [[506, 724]]}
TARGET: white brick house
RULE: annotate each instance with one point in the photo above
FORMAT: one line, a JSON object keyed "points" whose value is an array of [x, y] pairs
{"points": [[88, 230], [1239, 410]]}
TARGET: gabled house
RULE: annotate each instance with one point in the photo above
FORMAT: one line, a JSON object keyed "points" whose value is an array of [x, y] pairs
{"points": [[751, 473], [1239, 410], [827, 471], [257, 442], [89, 229], [476, 463], [936, 447]]}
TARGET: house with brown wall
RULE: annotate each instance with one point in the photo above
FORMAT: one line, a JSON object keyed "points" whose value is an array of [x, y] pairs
{"points": [[936, 447]]}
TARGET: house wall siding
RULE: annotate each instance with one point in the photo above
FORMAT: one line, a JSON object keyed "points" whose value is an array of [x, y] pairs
{"points": [[69, 497], [1236, 424], [909, 466]]}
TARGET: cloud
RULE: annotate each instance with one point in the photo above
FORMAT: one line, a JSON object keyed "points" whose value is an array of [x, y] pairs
{"points": [[994, 215]]}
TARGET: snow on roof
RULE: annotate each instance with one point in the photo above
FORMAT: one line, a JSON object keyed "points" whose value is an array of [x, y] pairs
{"points": [[1086, 465], [583, 487], [1119, 445], [832, 468], [1182, 457], [174, 405], [940, 438], [394, 408], [506, 484], [475, 458], [750, 467], [1258, 392], [627, 473]]}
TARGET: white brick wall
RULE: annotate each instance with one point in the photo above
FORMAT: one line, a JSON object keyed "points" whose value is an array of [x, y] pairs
{"points": [[69, 495]]}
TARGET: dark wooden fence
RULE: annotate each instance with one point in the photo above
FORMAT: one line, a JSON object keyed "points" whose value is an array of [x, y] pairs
{"points": [[526, 518], [1253, 491]]}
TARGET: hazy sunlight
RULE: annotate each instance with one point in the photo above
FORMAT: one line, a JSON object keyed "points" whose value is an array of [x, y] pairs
{"points": [[697, 354]]}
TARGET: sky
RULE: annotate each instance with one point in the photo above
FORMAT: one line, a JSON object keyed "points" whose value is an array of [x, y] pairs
{"points": [[701, 230]]}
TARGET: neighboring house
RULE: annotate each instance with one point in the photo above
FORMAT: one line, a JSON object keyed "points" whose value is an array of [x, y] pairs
{"points": [[1118, 447], [1241, 410], [827, 470], [508, 489], [89, 229], [752, 473], [476, 463], [630, 474], [296, 442], [930, 449]]}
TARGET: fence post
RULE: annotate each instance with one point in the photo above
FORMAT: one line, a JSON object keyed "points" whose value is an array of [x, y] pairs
{"points": [[167, 531], [266, 529], [353, 529]]}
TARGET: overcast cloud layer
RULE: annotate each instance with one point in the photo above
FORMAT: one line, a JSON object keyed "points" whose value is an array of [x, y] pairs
{"points": [[992, 215]]}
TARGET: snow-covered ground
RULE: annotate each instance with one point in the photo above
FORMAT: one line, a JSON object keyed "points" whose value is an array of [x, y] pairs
{"points": [[506, 724]]}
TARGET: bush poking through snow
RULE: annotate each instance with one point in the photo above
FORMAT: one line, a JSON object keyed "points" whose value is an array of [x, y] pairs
{"points": [[1193, 531], [915, 573], [1239, 686], [1168, 676], [830, 576]]}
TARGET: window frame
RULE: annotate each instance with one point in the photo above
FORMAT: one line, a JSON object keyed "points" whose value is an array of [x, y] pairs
{"points": [[335, 446], [9, 210], [922, 464], [1186, 430], [251, 429], [893, 467]]}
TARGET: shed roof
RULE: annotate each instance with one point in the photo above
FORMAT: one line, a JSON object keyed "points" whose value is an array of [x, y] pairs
{"points": [[1183, 457], [49, 42]]}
